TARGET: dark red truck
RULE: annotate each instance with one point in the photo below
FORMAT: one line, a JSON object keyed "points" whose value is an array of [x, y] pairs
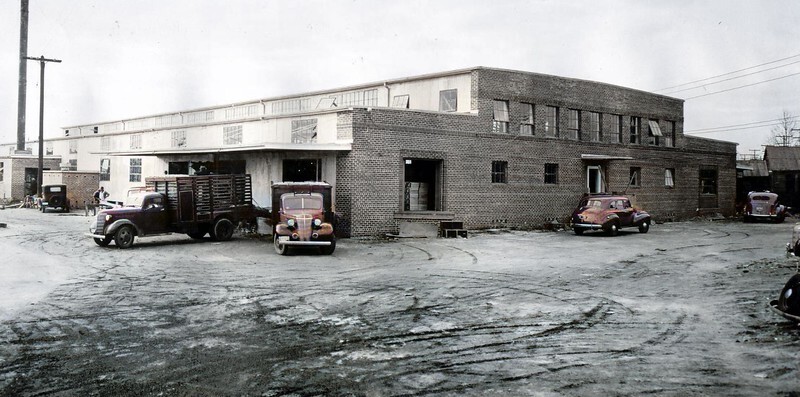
{"points": [[196, 205]]}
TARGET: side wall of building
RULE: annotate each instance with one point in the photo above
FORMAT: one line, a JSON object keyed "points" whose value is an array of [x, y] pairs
{"points": [[370, 177]]}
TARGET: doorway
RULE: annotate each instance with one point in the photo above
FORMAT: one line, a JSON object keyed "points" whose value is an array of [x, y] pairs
{"points": [[31, 181], [421, 187], [302, 170], [594, 179]]}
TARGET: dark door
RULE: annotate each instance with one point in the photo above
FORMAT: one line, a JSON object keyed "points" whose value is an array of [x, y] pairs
{"points": [[31, 182]]}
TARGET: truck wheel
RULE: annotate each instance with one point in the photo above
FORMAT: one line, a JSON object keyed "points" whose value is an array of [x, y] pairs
{"points": [[124, 237], [222, 230], [644, 227], [103, 242], [328, 249], [281, 249]]}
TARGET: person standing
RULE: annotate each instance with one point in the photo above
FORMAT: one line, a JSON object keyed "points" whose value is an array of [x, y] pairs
{"points": [[100, 195]]}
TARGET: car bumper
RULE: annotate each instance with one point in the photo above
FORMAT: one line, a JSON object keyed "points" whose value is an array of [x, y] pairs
{"points": [[593, 226], [94, 235]]}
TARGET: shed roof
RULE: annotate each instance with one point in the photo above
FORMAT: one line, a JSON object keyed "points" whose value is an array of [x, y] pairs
{"points": [[782, 158], [753, 167]]}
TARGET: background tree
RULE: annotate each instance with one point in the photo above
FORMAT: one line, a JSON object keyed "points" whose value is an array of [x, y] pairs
{"points": [[784, 132]]}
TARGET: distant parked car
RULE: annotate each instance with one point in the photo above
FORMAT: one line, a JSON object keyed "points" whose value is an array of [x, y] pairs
{"points": [[54, 196], [609, 213], [763, 205]]}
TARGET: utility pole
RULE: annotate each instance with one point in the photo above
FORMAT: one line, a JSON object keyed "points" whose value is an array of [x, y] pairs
{"points": [[23, 72], [39, 175]]}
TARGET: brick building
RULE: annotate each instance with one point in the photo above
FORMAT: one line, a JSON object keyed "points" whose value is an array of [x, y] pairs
{"points": [[484, 146]]}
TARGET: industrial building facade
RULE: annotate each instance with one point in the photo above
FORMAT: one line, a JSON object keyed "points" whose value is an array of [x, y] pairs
{"points": [[483, 146]]}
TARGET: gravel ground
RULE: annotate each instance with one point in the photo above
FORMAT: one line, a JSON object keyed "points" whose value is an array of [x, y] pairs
{"points": [[681, 310]]}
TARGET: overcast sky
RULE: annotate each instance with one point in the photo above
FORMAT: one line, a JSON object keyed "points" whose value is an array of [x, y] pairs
{"points": [[124, 59]]}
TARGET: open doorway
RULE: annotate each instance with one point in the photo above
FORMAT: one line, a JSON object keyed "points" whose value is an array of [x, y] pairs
{"points": [[302, 170], [421, 184], [594, 179]]}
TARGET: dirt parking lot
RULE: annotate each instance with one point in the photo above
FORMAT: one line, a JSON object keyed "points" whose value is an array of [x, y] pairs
{"points": [[681, 310]]}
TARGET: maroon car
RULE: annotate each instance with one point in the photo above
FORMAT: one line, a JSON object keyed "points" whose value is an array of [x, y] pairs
{"points": [[609, 213]]}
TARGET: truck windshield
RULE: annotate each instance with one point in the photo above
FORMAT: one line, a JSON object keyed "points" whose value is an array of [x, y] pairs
{"points": [[135, 200], [301, 202]]}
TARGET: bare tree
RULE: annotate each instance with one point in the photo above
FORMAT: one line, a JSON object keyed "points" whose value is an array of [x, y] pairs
{"points": [[782, 134]]}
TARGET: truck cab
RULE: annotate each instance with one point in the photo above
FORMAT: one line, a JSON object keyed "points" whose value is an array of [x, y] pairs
{"points": [[144, 214]]}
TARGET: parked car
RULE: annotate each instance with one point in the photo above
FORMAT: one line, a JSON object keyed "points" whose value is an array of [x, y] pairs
{"points": [[609, 213], [54, 196], [763, 205]]}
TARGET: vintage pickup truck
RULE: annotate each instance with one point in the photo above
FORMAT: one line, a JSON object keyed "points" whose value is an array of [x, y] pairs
{"points": [[302, 215], [195, 205]]}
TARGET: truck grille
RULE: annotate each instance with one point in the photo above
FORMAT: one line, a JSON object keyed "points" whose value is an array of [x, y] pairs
{"points": [[99, 224]]}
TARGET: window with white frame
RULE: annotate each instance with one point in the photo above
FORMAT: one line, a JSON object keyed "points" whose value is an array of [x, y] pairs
{"points": [[653, 132], [304, 131], [594, 128], [500, 122], [73, 165], [136, 141], [290, 106], [199, 117], [669, 177], [551, 122], [526, 125], [178, 138], [232, 135], [135, 170], [2, 170], [48, 148], [360, 98], [73, 146], [105, 169], [167, 120], [400, 101], [448, 100], [240, 112]]}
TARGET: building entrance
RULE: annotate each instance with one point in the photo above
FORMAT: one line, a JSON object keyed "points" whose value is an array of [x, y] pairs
{"points": [[421, 186], [302, 170], [594, 179]]}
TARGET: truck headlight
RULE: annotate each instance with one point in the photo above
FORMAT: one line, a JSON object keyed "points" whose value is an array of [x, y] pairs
{"points": [[290, 222], [108, 217], [317, 222]]}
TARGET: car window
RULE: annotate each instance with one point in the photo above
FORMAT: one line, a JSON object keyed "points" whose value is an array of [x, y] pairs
{"points": [[55, 189], [760, 198]]}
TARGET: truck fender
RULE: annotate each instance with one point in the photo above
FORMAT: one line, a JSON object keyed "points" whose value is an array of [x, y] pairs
{"points": [[112, 228]]}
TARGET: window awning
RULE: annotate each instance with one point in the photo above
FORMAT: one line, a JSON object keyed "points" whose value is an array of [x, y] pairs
{"points": [[604, 157], [655, 129]]}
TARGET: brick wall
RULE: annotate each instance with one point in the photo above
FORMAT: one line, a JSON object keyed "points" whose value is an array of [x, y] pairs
{"points": [[369, 178], [18, 166]]}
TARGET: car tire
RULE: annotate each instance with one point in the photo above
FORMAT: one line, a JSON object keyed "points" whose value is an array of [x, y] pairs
{"points": [[222, 230], [281, 249], [578, 230], [613, 229], [103, 242], [644, 227], [123, 238], [328, 249]]}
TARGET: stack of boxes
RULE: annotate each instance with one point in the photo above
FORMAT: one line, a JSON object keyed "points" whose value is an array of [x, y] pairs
{"points": [[416, 198]]}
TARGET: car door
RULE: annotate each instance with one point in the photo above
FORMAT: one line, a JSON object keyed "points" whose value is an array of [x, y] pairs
{"points": [[625, 212], [155, 215]]}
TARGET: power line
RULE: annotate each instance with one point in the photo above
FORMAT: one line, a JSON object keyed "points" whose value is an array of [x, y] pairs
{"points": [[742, 86], [742, 126], [730, 78], [727, 74]]}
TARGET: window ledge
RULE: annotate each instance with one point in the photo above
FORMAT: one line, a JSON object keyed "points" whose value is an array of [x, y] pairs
{"points": [[427, 215]]}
